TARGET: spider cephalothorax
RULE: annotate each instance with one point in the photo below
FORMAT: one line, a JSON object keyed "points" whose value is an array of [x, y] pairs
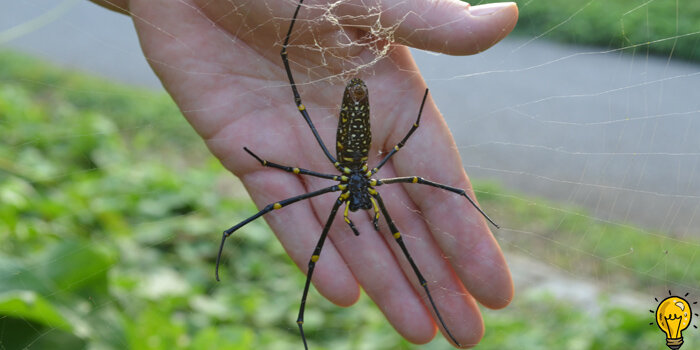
{"points": [[359, 192], [355, 182]]}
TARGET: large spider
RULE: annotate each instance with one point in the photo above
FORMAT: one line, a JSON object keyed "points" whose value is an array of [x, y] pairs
{"points": [[356, 185]]}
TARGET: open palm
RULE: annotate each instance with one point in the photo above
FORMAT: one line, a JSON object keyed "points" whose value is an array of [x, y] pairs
{"points": [[219, 59]]}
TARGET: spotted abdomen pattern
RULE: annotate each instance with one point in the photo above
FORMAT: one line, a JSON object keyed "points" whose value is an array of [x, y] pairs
{"points": [[354, 136]]}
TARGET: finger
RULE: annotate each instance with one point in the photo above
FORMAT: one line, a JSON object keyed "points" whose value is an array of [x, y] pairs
{"points": [[298, 229], [448, 26], [456, 307], [432, 154], [366, 256], [374, 266]]}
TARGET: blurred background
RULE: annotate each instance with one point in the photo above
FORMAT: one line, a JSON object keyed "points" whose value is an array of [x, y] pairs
{"points": [[580, 132]]}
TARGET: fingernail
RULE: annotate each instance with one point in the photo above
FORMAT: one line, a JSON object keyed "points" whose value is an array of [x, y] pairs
{"points": [[488, 9]]}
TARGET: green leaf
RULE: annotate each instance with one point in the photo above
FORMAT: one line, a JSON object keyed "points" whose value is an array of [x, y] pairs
{"points": [[27, 304], [14, 275], [73, 264]]}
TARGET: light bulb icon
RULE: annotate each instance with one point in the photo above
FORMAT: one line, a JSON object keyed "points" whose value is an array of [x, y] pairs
{"points": [[673, 316]]}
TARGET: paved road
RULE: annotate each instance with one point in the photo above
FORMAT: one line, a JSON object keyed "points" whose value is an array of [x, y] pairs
{"points": [[76, 34], [616, 132]]}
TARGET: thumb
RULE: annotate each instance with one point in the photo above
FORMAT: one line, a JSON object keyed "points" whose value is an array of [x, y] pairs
{"points": [[448, 26]]}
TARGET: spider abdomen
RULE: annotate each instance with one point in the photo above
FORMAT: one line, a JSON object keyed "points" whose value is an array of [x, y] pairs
{"points": [[354, 136]]}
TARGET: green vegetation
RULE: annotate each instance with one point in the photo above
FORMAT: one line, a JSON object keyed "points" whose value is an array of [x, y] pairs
{"points": [[110, 219], [573, 241], [669, 26]]}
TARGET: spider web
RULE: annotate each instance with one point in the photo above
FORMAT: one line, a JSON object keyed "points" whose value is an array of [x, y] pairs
{"points": [[594, 148]]}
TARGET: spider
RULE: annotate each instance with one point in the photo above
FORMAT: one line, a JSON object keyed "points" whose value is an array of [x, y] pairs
{"points": [[355, 182]]}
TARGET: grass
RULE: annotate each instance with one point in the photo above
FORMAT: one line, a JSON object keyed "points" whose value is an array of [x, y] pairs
{"points": [[667, 28], [573, 241], [111, 208]]}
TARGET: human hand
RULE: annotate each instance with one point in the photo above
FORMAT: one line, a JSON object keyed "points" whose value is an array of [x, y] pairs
{"points": [[220, 62]]}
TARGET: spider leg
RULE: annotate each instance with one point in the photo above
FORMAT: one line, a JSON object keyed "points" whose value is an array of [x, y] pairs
{"points": [[312, 263], [270, 207], [292, 169], [348, 221], [375, 221], [405, 138], [420, 180], [421, 279], [297, 97]]}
